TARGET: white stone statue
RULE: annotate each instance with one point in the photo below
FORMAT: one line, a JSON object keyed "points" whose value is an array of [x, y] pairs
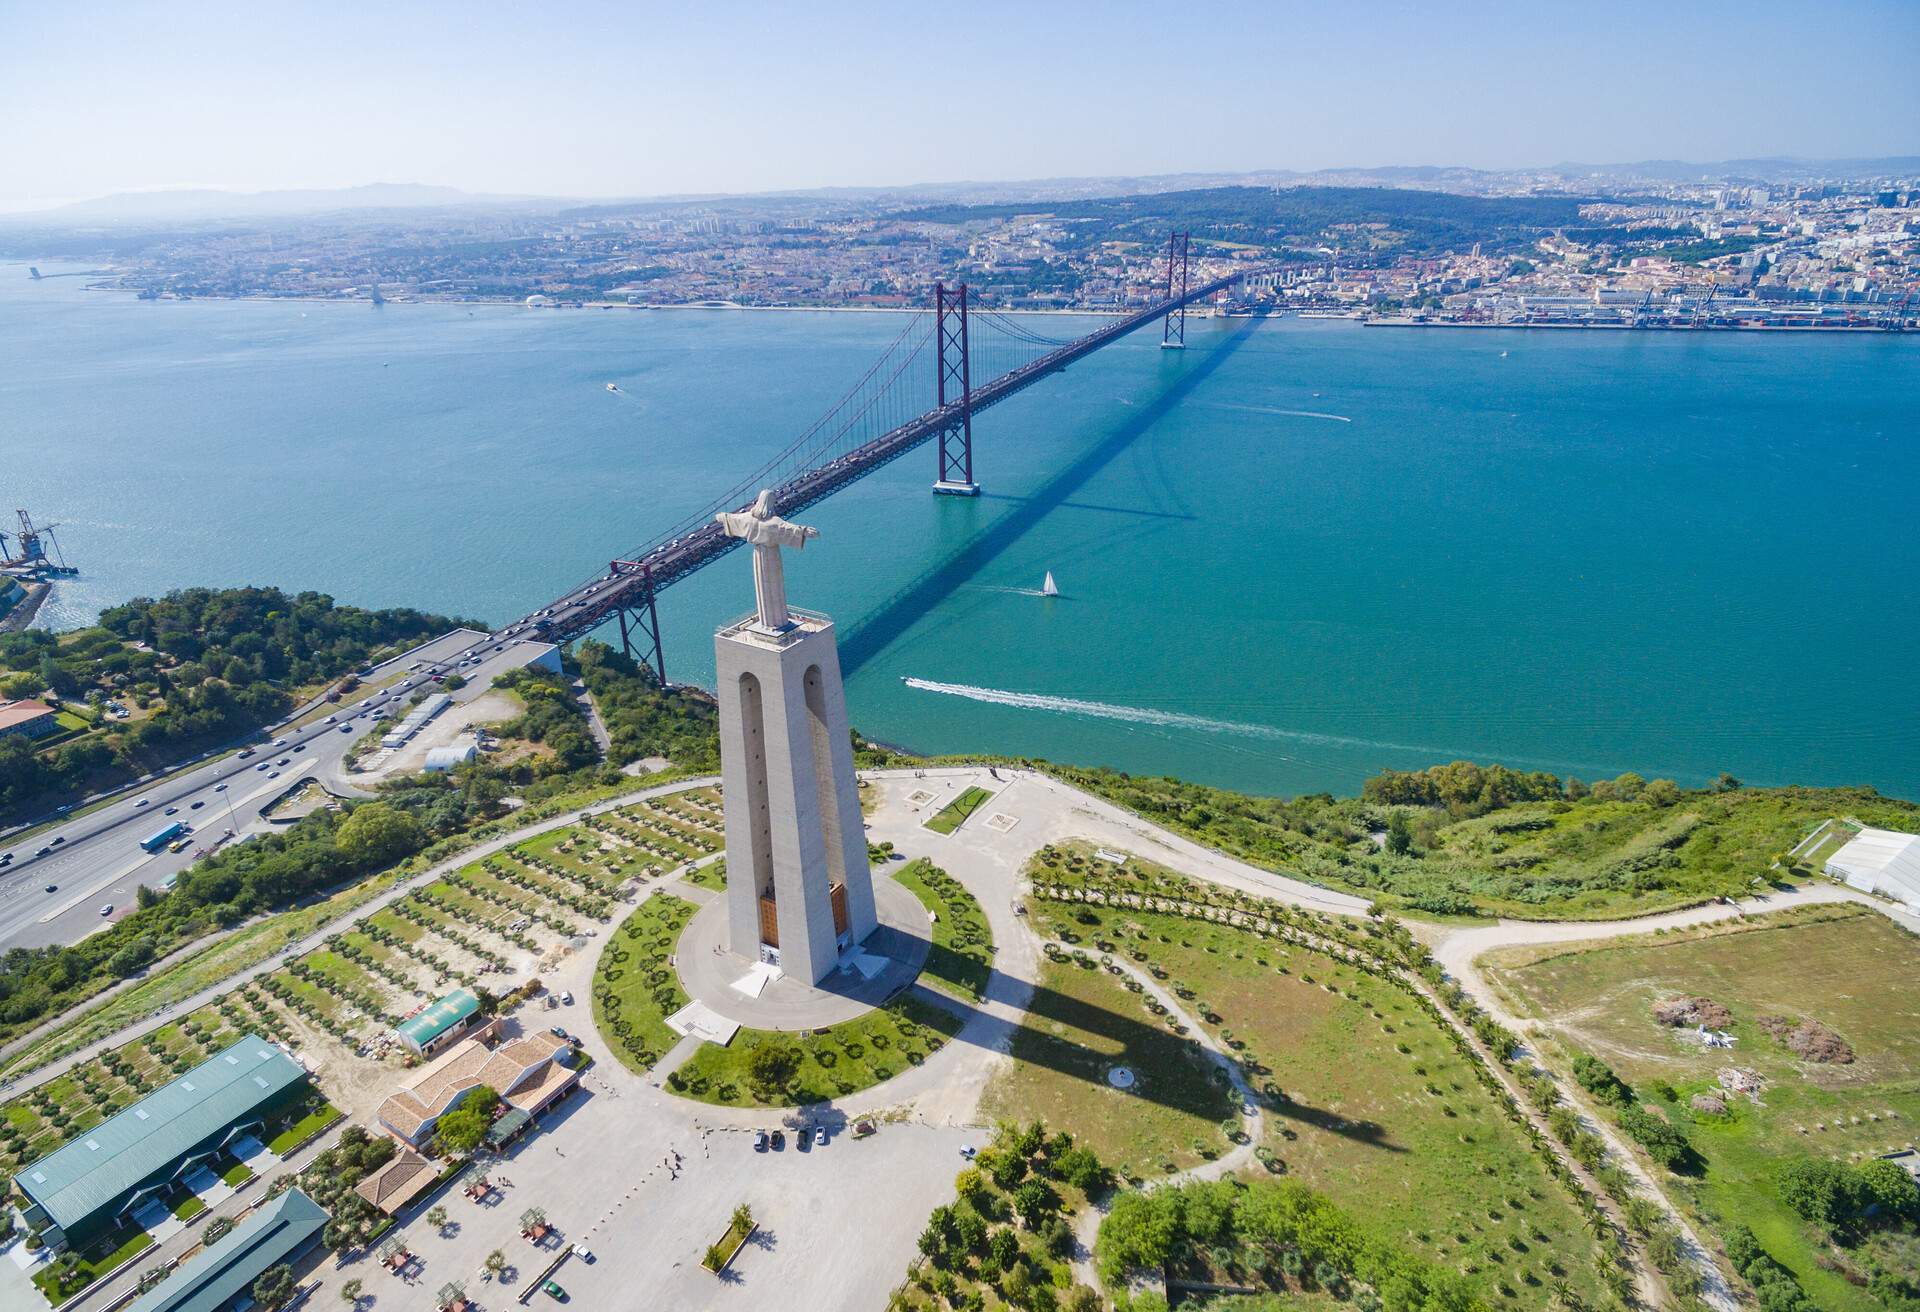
{"points": [[767, 532]]}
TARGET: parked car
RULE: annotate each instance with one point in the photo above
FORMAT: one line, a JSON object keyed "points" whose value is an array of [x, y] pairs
{"points": [[566, 998], [779, 1140], [554, 1292], [820, 1135], [759, 1141]]}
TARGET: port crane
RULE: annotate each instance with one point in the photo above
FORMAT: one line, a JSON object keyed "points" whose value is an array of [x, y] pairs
{"points": [[33, 540]]}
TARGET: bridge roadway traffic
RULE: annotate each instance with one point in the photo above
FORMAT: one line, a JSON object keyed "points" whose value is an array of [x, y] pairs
{"points": [[60, 879], [631, 584]]}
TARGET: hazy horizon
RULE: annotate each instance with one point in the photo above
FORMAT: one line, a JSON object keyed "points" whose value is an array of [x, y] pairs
{"points": [[614, 102]]}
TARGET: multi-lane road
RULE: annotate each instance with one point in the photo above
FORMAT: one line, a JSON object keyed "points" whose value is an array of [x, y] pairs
{"points": [[66, 882]]}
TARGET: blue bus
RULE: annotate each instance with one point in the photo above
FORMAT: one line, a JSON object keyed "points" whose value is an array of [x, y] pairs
{"points": [[155, 842]]}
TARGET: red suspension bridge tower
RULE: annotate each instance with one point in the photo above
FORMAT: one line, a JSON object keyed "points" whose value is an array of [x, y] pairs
{"points": [[953, 387]]}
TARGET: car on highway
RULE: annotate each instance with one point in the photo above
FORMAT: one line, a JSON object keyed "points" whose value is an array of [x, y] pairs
{"points": [[58, 839], [219, 788], [145, 801], [53, 888], [333, 719], [279, 742], [346, 728], [261, 766], [107, 910], [6, 859], [197, 805], [285, 760], [245, 752], [299, 747], [45, 851], [173, 810], [273, 774]]}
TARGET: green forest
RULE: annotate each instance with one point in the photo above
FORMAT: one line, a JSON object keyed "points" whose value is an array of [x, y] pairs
{"points": [[193, 669], [1417, 220]]}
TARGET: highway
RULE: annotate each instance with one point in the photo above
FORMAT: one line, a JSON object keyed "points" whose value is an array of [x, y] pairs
{"points": [[60, 880]]}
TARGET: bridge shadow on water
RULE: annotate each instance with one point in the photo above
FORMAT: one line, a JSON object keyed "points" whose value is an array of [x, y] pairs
{"points": [[1175, 1071], [860, 643]]}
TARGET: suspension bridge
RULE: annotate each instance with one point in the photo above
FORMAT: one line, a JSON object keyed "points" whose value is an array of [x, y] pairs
{"points": [[875, 423]]}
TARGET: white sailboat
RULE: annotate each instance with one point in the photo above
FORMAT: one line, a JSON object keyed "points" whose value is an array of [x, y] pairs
{"points": [[1049, 588]]}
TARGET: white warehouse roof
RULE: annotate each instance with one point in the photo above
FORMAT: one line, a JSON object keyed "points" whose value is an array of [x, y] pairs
{"points": [[1882, 861], [445, 758]]}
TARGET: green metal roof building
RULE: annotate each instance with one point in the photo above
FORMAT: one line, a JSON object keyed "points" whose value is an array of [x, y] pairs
{"points": [[439, 1023], [91, 1182], [279, 1232]]}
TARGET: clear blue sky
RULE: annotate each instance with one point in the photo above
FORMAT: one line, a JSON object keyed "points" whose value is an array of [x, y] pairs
{"points": [[603, 99]]}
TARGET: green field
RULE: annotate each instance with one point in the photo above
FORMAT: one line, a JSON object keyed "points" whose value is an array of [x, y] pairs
{"points": [[954, 814], [634, 989], [1848, 968], [1081, 1024], [833, 1063], [962, 956], [1377, 1109]]}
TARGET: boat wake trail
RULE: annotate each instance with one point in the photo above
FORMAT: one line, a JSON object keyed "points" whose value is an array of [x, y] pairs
{"points": [[1275, 410], [1034, 701], [1147, 715], [1011, 592]]}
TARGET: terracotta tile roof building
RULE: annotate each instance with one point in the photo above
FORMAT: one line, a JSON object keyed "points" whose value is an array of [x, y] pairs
{"points": [[399, 1182], [523, 1071]]}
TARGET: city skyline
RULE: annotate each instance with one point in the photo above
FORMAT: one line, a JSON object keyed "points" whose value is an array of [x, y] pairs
{"points": [[611, 104]]}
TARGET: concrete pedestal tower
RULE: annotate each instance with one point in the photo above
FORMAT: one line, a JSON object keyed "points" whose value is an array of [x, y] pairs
{"points": [[798, 886]]}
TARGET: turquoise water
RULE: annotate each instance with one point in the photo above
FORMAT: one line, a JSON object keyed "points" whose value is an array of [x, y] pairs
{"points": [[1295, 553]]}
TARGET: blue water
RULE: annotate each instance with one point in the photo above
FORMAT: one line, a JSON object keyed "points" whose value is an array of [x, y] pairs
{"points": [[1291, 555]]}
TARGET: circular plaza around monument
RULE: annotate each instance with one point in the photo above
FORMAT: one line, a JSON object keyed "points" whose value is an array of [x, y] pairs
{"points": [[725, 983]]}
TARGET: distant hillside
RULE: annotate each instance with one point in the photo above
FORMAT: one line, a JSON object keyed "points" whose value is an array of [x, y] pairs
{"points": [[1293, 216]]}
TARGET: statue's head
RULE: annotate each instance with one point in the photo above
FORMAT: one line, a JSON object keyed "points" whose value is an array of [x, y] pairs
{"points": [[763, 504]]}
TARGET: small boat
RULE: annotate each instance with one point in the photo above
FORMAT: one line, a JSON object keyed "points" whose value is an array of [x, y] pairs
{"points": [[613, 387], [1049, 588]]}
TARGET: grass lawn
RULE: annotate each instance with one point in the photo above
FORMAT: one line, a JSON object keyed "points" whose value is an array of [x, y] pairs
{"points": [[188, 1208], [835, 1063], [634, 989], [962, 955], [1848, 968], [1081, 1024], [954, 814], [1378, 1110], [710, 876], [237, 1174], [63, 1279], [312, 1123]]}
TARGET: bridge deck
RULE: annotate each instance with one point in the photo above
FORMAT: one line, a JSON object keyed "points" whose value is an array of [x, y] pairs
{"points": [[634, 583]]}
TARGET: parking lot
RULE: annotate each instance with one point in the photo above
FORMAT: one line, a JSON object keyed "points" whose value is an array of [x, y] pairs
{"points": [[603, 1170]]}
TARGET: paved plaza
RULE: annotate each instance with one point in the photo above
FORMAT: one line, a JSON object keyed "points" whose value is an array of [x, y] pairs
{"points": [[709, 971]]}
